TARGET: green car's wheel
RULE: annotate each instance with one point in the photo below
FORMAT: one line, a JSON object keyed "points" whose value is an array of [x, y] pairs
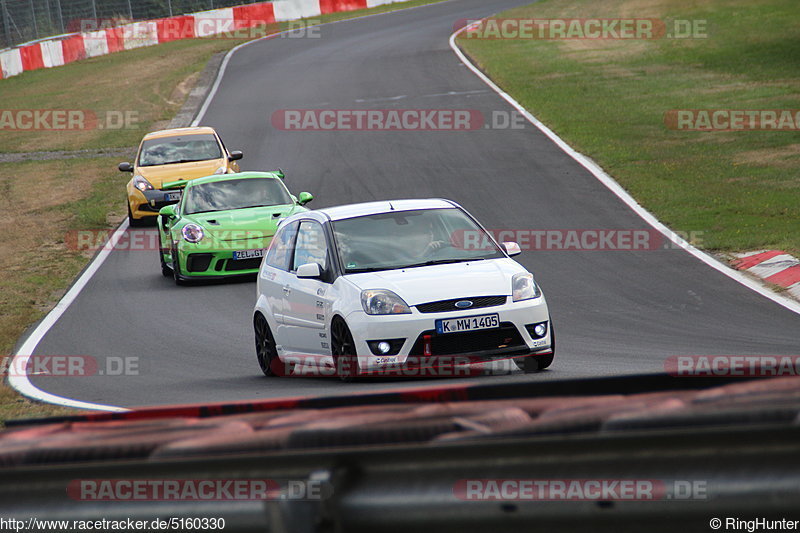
{"points": [[266, 351], [539, 362], [176, 268], [166, 271], [134, 222], [343, 350]]}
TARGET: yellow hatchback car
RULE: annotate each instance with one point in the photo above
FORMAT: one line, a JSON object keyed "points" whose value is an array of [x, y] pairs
{"points": [[170, 155]]}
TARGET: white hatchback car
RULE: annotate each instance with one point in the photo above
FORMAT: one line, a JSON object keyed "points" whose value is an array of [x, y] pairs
{"points": [[376, 287]]}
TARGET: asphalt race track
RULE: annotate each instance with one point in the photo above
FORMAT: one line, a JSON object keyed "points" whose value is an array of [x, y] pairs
{"points": [[615, 312]]}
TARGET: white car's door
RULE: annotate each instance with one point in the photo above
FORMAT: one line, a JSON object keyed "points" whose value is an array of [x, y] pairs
{"points": [[309, 300], [275, 277]]}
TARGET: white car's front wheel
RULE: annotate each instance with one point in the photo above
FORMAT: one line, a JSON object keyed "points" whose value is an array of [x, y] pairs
{"points": [[266, 350], [343, 350]]}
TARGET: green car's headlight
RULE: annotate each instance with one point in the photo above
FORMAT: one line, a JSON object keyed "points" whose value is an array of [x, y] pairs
{"points": [[383, 302], [193, 233], [523, 287]]}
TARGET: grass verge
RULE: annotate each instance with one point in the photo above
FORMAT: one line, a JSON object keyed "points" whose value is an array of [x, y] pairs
{"points": [[43, 200], [739, 190]]}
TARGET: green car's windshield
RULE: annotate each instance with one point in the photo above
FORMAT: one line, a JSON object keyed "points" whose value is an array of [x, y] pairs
{"points": [[407, 239], [179, 149], [235, 194]]}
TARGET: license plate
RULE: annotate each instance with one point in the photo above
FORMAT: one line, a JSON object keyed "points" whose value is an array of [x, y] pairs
{"points": [[173, 196], [467, 323], [248, 254]]}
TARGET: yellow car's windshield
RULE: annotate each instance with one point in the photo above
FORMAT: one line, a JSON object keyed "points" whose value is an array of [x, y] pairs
{"points": [[179, 149]]}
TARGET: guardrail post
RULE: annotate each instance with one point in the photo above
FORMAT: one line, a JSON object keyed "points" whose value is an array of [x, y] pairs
{"points": [[60, 16], [33, 19], [6, 24], [49, 16]]}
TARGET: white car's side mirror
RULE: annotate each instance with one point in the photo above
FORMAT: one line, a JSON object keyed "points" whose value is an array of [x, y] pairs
{"points": [[309, 270], [512, 248]]}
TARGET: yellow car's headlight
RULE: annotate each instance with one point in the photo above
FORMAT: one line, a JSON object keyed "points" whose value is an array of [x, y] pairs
{"points": [[142, 184]]}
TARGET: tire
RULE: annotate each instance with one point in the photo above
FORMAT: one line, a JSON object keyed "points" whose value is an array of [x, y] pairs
{"points": [[134, 222], [266, 351], [534, 363], [343, 350], [176, 268], [527, 364], [166, 271]]}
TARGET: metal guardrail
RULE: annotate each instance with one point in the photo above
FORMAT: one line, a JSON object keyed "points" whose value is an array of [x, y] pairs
{"points": [[22, 21]]}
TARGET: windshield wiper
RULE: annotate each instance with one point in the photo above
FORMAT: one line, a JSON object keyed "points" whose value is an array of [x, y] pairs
{"points": [[368, 269], [444, 262], [399, 267], [259, 205], [176, 162]]}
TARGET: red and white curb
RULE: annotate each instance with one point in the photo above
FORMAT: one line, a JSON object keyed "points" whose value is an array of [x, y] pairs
{"points": [[64, 49], [772, 266]]}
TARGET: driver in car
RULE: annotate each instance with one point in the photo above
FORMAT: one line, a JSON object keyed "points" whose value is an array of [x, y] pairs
{"points": [[428, 240]]}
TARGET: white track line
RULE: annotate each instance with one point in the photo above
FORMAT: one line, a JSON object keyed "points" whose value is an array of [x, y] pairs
{"points": [[621, 193], [21, 383]]}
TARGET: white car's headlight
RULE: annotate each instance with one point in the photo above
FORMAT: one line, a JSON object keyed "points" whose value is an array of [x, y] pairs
{"points": [[193, 233], [142, 184], [383, 302], [221, 170], [523, 287]]}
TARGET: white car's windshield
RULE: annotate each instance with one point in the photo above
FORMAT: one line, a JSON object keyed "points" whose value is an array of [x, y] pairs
{"points": [[235, 194], [179, 149], [410, 238]]}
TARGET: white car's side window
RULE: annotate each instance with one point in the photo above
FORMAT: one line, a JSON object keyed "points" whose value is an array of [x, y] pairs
{"points": [[280, 250], [311, 246]]}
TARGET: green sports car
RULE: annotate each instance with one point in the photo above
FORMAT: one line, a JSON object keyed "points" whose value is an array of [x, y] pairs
{"points": [[223, 223]]}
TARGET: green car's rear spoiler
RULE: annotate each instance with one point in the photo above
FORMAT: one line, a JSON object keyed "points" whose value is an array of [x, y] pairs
{"points": [[180, 184]]}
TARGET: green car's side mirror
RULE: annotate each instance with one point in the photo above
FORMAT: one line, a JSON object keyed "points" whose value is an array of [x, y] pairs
{"points": [[168, 210], [304, 198]]}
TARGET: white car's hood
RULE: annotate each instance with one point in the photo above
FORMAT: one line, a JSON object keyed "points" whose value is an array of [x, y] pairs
{"points": [[490, 277]]}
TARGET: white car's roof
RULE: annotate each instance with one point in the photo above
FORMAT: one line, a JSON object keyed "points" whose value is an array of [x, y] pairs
{"points": [[371, 208]]}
